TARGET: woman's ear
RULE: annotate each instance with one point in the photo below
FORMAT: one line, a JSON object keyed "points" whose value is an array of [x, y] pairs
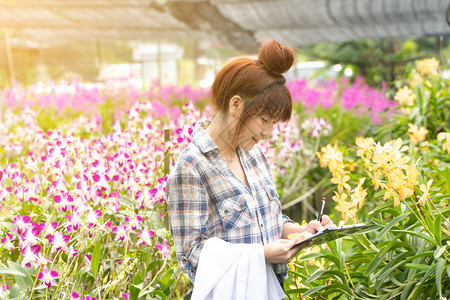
{"points": [[235, 106]]}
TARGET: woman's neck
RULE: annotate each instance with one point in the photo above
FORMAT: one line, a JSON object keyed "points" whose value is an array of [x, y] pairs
{"points": [[221, 130]]}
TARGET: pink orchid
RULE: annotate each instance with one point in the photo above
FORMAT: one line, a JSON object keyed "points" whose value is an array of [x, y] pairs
{"points": [[93, 216], [74, 221], [64, 202], [30, 235], [7, 241], [101, 181], [49, 228], [59, 241], [121, 232], [30, 255], [126, 296], [3, 291], [145, 236], [88, 298], [72, 252], [48, 277], [22, 223], [165, 249], [74, 296], [134, 221]]}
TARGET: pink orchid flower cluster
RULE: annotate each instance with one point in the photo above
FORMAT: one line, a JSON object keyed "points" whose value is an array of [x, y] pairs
{"points": [[357, 96], [76, 96], [68, 192]]}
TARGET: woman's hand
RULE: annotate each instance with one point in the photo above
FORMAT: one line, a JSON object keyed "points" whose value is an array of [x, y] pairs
{"points": [[316, 226], [283, 250]]}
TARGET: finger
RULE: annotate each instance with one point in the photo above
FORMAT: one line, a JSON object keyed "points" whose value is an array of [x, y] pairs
{"points": [[313, 226], [326, 221]]}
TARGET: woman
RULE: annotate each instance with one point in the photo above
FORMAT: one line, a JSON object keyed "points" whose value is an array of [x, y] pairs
{"points": [[222, 185]]}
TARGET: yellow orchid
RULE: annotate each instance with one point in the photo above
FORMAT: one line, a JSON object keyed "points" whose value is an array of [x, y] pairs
{"points": [[444, 136], [415, 80], [426, 192], [397, 148], [405, 96], [341, 180], [358, 196], [376, 181], [427, 67], [416, 133], [339, 197], [365, 147]]}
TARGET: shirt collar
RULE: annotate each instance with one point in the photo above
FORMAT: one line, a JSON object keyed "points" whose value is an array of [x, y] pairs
{"points": [[202, 139]]}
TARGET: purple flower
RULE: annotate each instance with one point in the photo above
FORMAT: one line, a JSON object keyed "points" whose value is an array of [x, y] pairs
{"points": [[126, 296], [48, 277], [74, 296], [59, 240], [165, 249], [30, 255], [145, 236], [22, 223], [121, 232]]}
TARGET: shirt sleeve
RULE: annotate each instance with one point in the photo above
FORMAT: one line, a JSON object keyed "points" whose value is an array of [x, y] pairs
{"points": [[188, 211]]}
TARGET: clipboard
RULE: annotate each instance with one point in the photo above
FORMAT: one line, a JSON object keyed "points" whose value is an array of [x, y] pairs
{"points": [[333, 233]]}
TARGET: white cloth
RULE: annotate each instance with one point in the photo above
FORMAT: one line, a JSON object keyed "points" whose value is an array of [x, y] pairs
{"points": [[234, 272]]}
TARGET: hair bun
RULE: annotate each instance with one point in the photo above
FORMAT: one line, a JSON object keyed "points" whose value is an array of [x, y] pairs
{"points": [[276, 57]]}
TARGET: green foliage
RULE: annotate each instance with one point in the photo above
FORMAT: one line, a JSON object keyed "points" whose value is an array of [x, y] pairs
{"points": [[409, 256]]}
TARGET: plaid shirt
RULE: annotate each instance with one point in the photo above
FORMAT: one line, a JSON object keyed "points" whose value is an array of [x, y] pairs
{"points": [[206, 200]]}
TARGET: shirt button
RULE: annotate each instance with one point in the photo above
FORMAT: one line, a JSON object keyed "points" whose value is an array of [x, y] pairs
{"points": [[226, 211], [262, 225]]}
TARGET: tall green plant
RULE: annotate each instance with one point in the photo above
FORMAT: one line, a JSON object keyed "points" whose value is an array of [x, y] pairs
{"points": [[404, 187]]}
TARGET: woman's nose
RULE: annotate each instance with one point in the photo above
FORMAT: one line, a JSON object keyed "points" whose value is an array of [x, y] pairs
{"points": [[267, 130]]}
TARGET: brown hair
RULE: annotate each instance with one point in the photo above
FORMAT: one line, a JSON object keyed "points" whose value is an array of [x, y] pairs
{"points": [[259, 83]]}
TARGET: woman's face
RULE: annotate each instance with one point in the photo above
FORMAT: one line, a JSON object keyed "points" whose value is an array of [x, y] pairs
{"points": [[254, 130]]}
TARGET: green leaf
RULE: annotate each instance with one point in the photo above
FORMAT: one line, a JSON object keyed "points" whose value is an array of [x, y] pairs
{"points": [[374, 264], [315, 275], [295, 291], [313, 290], [159, 293], [364, 294], [437, 230], [329, 257], [127, 201], [439, 270], [24, 281], [418, 234], [337, 287], [153, 265], [448, 271], [391, 224], [96, 257], [10, 271], [447, 177], [417, 266], [439, 251], [147, 291], [14, 291], [380, 255], [381, 206], [134, 288]]}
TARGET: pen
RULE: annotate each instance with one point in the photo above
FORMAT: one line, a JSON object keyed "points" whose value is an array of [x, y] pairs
{"points": [[322, 206]]}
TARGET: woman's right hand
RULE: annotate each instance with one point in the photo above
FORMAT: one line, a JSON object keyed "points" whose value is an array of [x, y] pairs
{"points": [[283, 250]]}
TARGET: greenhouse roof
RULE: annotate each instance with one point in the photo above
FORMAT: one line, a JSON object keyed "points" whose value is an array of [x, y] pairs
{"points": [[238, 23]]}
